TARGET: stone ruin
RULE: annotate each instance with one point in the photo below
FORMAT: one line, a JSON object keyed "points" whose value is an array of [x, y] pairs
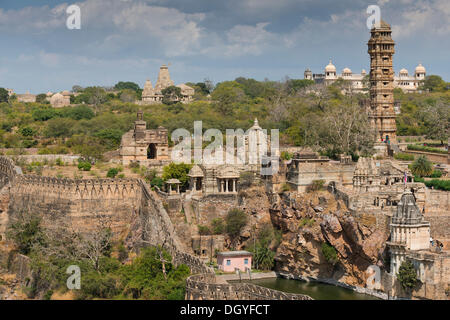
{"points": [[143, 145]]}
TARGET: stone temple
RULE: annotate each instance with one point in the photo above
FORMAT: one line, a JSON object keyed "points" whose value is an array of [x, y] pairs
{"points": [[142, 145], [153, 95]]}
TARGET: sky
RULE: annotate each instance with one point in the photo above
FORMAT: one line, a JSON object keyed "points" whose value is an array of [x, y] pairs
{"points": [[128, 40]]}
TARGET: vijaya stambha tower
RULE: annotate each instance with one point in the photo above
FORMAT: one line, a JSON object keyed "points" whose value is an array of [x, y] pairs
{"points": [[381, 111]]}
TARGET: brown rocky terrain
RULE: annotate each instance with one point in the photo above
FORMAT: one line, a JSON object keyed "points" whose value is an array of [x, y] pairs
{"points": [[311, 219]]}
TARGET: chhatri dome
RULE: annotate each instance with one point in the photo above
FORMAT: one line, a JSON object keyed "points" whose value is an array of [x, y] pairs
{"points": [[330, 67], [347, 70], [420, 68], [404, 72]]}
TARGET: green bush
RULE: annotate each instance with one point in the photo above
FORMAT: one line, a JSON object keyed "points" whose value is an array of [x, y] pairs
{"points": [[286, 155], [417, 147], [438, 184], [436, 174], [407, 275], [316, 185], [422, 167], [112, 173], [246, 179], [203, 230], [306, 222], [26, 233], [235, 221], [330, 253], [404, 156], [218, 226], [84, 166]]}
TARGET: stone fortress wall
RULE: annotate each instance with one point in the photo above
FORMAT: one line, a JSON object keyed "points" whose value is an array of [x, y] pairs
{"points": [[134, 211], [205, 287]]}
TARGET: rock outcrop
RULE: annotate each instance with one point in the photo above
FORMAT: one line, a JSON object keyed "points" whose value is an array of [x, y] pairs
{"points": [[309, 221]]}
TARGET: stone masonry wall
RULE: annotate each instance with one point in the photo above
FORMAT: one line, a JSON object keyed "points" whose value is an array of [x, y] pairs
{"points": [[205, 287]]}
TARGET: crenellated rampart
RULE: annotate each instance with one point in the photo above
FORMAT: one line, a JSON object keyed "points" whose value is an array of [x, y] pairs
{"points": [[136, 215], [205, 287]]}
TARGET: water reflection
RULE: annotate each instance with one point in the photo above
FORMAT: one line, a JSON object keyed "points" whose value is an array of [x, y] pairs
{"points": [[316, 290]]}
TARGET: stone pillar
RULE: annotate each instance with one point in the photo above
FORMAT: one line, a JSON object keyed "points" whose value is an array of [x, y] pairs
{"points": [[226, 185], [235, 185], [195, 184], [178, 188]]}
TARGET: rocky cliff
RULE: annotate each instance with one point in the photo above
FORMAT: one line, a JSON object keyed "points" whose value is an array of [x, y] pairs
{"points": [[309, 221]]}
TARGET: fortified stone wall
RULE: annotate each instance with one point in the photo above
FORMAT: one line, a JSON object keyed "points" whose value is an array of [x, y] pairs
{"points": [[205, 287], [134, 211]]}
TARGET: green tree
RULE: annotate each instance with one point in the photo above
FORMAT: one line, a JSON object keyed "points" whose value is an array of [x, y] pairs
{"points": [[226, 95], [26, 232], [330, 253], [218, 226], [178, 171], [128, 85], [27, 132], [407, 275], [171, 95], [203, 230], [112, 173], [4, 95], [41, 98], [422, 167], [236, 220], [128, 95], [433, 83]]}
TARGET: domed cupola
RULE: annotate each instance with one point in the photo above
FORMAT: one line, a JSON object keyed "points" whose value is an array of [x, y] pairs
{"points": [[420, 71], [330, 68]]}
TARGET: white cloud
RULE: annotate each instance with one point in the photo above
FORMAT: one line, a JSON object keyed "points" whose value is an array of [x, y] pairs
{"points": [[432, 17]]}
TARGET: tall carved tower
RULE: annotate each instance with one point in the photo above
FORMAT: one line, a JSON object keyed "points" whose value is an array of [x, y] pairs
{"points": [[381, 111]]}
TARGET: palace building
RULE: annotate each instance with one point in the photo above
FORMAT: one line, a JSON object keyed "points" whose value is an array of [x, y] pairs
{"points": [[360, 81]]}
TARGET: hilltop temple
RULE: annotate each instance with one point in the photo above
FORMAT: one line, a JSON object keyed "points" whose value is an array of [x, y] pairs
{"points": [[153, 95]]}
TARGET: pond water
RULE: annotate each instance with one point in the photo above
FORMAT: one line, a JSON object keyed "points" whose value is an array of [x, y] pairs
{"points": [[316, 290]]}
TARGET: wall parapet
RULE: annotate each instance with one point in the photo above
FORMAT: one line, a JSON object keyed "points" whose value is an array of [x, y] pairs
{"points": [[8, 171], [42, 193], [205, 287]]}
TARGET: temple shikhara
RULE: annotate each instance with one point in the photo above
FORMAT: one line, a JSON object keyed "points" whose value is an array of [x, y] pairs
{"points": [[154, 95]]}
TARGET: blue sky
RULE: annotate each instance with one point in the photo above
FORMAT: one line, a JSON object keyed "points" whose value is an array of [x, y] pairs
{"points": [[127, 40]]}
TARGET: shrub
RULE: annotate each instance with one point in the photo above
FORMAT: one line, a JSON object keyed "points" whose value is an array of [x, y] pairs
{"points": [[84, 166], [112, 173], [218, 226], [407, 275], [26, 233], [157, 182], [438, 184], [285, 188], [436, 174], [316, 185], [286, 155], [417, 147], [134, 165], [306, 222], [421, 167], [236, 220], [330, 253], [246, 179], [60, 163], [203, 230], [404, 156]]}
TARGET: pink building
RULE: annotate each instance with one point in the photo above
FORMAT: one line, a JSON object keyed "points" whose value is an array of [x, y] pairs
{"points": [[229, 261]]}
